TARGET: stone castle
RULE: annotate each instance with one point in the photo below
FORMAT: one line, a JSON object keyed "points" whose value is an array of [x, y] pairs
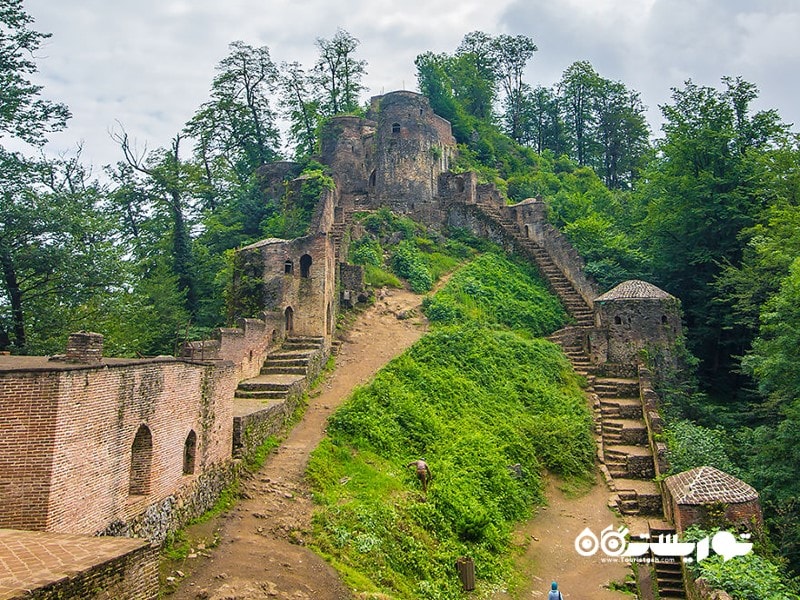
{"points": [[98, 446]]}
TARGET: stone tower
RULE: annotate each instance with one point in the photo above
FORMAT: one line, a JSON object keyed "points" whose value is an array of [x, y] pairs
{"points": [[632, 317]]}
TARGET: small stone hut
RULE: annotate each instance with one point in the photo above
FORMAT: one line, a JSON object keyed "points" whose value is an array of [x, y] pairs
{"points": [[632, 316], [688, 496]]}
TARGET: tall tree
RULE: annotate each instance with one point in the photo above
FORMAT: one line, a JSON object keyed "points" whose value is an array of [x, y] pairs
{"points": [[622, 133], [167, 186], [578, 92], [57, 249], [300, 107], [542, 127], [23, 113], [512, 54], [708, 185], [339, 73], [236, 128], [473, 74]]}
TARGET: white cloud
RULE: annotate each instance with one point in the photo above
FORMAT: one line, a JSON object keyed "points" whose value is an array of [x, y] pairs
{"points": [[150, 64]]}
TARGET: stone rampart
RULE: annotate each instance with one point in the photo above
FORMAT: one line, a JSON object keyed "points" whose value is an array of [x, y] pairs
{"points": [[531, 217]]}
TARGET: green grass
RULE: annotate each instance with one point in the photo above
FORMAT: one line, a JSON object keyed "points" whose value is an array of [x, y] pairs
{"points": [[495, 290], [378, 277], [474, 397]]}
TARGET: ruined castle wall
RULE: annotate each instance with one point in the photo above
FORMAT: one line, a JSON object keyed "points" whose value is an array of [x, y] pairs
{"points": [[531, 216], [471, 218], [28, 405], [246, 346], [298, 282], [94, 416], [413, 146], [347, 147]]}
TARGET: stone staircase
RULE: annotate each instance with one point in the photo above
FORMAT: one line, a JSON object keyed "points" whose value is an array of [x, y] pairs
{"points": [[668, 572], [281, 370], [625, 448], [618, 410], [337, 235], [576, 306]]}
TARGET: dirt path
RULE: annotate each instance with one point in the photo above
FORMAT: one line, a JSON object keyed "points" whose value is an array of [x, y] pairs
{"points": [[551, 555], [261, 553]]}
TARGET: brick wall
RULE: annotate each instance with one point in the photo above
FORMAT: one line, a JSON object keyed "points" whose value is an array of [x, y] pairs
{"points": [[246, 346], [308, 292], [28, 412], [69, 432], [133, 576]]}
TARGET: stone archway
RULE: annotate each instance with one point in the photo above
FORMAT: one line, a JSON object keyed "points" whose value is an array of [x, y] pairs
{"points": [[289, 316]]}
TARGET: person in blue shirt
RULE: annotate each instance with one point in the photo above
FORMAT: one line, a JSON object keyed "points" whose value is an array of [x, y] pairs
{"points": [[554, 594]]}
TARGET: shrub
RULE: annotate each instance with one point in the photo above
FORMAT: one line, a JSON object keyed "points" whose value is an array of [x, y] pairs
{"points": [[493, 289], [472, 402], [407, 262]]}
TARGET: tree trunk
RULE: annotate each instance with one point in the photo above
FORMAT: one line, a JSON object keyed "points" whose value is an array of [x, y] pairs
{"points": [[14, 293]]}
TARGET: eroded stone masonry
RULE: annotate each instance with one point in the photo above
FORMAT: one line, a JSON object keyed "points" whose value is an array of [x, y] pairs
{"points": [[95, 446]]}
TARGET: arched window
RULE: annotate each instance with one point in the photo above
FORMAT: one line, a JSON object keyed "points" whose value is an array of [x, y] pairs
{"points": [[289, 314], [395, 128], [664, 319], [617, 320], [305, 265], [288, 267], [189, 452], [141, 462], [372, 178], [527, 231]]}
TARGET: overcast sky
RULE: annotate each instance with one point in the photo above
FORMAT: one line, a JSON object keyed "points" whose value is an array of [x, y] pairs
{"points": [[149, 64]]}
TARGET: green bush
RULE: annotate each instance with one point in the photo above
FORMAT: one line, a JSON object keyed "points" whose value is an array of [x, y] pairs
{"points": [[748, 577], [472, 402], [366, 251], [492, 289], [377, 277], [408, 263], [690, 445]]}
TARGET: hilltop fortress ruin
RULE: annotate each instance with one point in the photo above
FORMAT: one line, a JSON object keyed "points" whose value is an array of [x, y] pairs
{"points": [[136, 447]]}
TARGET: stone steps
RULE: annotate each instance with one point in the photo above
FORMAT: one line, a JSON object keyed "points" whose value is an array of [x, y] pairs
{"points": [[621, 408], [284, 370], [281, 369], [574, 303]]}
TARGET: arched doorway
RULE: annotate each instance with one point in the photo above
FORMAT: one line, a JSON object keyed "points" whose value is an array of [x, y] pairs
{"points": [[289, 314], [141, 462], [189, 453]]}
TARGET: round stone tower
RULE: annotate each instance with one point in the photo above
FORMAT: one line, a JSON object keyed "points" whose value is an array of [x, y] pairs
{"points": [[634, 316], [413, 146]]}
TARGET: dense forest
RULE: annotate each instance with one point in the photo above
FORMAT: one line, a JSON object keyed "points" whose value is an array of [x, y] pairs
{"points": [[708, 209]]}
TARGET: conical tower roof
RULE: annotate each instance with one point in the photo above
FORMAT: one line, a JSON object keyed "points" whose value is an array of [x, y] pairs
{"points": [[704, 485], [635, 289]]}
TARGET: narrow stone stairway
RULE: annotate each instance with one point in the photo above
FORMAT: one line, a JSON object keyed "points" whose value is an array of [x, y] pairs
{"points": [[337, 235], [626, 451], [668, 573], [281, 370], [574, 303]]}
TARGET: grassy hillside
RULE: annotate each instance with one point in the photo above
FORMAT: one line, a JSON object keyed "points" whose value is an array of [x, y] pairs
{"points": [[473, 399]]}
